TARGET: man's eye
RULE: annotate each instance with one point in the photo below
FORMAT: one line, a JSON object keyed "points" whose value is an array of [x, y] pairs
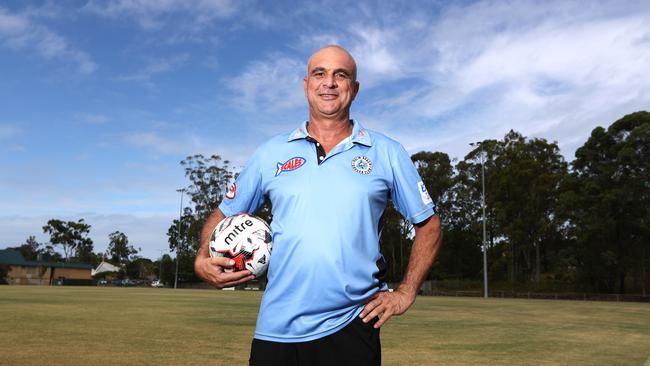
{"points": [[341, 75], [318, 74]]}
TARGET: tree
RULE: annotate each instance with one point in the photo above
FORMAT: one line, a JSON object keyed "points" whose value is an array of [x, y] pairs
{"points": [[606, 202], [167, 276], [84, 253], [522, 180], [71, 236], [49, 254], [436, 172], [394, 242], [635, 167], [184, 234], [30, 250], [525, 187], [209, 178], [459, 257], [463, 227], [119, 249], [140, 268], [396, 232]]}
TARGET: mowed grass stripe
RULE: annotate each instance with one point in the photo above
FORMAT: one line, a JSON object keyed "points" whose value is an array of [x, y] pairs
{"points": [[142, 326]]}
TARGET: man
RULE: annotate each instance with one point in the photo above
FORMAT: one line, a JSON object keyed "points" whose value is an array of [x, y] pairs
{"points": [[328, 182]]}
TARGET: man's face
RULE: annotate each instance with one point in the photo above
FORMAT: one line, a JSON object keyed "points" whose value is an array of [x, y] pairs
{"points": [[330, 84]]}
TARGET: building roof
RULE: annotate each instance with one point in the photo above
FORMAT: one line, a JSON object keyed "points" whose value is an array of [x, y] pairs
{"points": [[10, 256], [14, 257], [105, 267]]}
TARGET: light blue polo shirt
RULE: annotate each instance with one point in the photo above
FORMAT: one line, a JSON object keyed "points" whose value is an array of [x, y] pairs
{"points": [[325, 260]]}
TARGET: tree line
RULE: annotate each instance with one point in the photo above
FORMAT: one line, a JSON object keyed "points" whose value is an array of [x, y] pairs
{"points": [[70, 242], [550, 224]]}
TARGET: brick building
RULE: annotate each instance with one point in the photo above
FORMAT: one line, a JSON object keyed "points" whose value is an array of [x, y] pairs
{"points": [[18, 271]]}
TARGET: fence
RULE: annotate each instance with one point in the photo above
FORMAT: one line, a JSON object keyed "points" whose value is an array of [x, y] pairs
{"points": [[254, 285], [27, 281], [429, 288]]}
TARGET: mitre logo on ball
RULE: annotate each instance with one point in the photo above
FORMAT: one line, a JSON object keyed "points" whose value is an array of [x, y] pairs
{"points": [[246, 239]]}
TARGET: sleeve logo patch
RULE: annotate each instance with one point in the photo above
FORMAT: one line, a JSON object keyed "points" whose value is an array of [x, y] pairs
{"points": [[232, 191], [424, 195], [362, 165], [291, 164]]}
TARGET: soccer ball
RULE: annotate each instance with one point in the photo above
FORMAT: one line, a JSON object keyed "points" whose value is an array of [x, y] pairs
{"points": [[246, 239]]}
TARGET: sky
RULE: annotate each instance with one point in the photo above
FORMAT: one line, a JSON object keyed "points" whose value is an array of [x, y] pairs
{"points": [[101, 100]]}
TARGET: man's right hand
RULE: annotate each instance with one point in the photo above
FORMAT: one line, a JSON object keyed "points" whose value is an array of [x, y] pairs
{"points": [[212, 271]]}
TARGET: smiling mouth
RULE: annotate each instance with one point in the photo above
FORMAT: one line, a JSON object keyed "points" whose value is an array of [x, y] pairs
{"points": [[328, 96]]}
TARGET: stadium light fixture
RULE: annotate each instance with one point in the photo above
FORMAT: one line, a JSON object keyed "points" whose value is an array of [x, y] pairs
{"points": [[484, 246], [178, 237]]}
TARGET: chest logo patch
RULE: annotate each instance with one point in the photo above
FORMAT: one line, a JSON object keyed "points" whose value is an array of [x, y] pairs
{"points": [[291, 164], [362, 165]]}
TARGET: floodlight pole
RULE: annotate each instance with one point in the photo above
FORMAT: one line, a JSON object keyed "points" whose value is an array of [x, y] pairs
{"points": [[178, 237], [484, 246], [160, 270]]}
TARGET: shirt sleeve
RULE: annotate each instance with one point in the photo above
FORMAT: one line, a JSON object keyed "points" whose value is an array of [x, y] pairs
{"points": [[409, 193], [245, 194]]}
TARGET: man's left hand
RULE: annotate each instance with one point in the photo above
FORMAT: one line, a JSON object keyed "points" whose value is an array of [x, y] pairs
{"points": [[386, 304]]}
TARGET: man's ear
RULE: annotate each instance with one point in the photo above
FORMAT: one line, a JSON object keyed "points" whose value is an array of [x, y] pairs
{"points": [[355, 87], [304, 84]]}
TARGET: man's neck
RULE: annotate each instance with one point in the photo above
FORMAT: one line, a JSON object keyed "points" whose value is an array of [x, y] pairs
{"points": [[329, 132]]}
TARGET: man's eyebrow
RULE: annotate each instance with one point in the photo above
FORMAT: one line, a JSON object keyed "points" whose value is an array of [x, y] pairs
{"points": [[345, 71], [321, 69]]}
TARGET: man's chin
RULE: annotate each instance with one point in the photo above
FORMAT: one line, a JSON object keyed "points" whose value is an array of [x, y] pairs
{"points": [[330, 114], [330, 109]]}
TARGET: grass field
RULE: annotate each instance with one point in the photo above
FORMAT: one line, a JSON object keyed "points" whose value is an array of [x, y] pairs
{"points": [[142, 326]]}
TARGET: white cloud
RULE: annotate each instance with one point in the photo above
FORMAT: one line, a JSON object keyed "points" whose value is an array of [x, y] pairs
{"points": [[48, 9], [575, 55], [92, 118], [157, 143], [553, 77], [433, 76], [172, 143], [462, 72], [472, 71], [273, 84], [11, 24], [373, 51], [156, 67], [8, 131], [153, 14], [20, 32], [148, 232]]}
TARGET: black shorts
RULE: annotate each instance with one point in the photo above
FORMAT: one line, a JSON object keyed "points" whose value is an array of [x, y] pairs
{"points": [[355, 345]]}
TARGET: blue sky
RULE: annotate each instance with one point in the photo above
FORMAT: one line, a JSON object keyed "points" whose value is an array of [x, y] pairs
{"points": [[101, 100]]}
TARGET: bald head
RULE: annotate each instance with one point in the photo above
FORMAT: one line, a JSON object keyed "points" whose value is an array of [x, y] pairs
{"points": [[331, 84], [333, 51]]}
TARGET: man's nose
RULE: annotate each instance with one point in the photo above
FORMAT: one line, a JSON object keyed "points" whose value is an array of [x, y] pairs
{"points": [[330, 81]]}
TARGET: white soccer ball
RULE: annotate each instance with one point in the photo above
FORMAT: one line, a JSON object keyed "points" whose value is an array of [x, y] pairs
{"points": [[246, 239]]}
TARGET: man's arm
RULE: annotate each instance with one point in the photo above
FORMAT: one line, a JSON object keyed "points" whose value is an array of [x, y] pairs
{"points": [[211, 270], [426, 245]]}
